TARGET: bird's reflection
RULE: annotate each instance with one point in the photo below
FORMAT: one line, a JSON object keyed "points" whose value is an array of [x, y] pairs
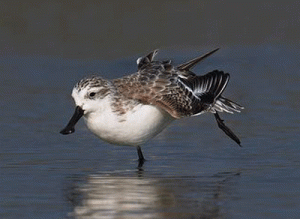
{"points": [[134, 195]]}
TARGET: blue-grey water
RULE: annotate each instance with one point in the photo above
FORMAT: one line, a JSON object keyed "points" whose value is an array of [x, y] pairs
{"points": [[193, 170]]}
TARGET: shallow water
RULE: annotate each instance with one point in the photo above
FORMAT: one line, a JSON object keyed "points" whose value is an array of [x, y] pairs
{"points": [[193, 170]]}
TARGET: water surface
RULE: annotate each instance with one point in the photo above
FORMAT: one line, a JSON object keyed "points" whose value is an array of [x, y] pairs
{"points": [[193, 169]]}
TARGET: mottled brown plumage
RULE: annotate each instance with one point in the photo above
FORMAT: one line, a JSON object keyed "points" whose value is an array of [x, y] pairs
{"points": [[135, 108], [177, 90]]}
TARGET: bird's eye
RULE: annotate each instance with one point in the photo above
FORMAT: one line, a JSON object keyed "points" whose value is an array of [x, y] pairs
{"points": [[92, 94]]}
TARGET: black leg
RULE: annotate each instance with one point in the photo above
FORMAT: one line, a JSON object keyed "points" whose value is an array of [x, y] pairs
{"points": [[141, 156], [225, 129]]}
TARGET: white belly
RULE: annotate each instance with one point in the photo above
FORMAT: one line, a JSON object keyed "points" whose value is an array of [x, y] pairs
{"points": [[132, 128]]}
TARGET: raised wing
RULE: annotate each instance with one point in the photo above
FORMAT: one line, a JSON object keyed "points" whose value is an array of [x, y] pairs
{"points": [[173, 91], [179, 91], [190, 64]]}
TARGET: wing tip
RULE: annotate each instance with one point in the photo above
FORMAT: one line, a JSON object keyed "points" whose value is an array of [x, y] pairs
{"points": [[190, 64], [141, 61]]}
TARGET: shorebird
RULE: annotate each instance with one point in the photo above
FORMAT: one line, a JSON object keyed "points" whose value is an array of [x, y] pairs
{"points": [[133, 109]]}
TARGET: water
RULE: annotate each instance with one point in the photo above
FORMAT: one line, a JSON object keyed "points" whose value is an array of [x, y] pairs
{"points": [[193, 170]]}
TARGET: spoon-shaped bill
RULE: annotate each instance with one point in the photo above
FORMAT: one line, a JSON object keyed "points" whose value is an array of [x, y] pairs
{"points": [[69, 129]]}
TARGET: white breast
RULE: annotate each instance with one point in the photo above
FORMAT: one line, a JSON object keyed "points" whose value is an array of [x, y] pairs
{"points": [[133, 128]]}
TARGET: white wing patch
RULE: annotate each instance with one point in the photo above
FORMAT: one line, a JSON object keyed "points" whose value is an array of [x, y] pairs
{"points": [[202, 88], [138, 61], [187, 87]]}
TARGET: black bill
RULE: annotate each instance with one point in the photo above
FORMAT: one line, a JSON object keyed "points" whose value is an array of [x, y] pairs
{"points": [[69, 129]]}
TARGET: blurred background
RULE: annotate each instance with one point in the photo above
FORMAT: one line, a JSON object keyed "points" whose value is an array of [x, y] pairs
{"points": [[193, 169], [112, 29]]}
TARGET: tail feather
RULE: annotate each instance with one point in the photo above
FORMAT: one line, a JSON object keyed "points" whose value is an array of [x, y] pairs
{"points": [[209, 88], [226, 105]]}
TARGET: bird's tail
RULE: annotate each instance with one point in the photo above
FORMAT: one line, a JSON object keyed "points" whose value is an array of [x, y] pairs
{"points": [[223, 104]]}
